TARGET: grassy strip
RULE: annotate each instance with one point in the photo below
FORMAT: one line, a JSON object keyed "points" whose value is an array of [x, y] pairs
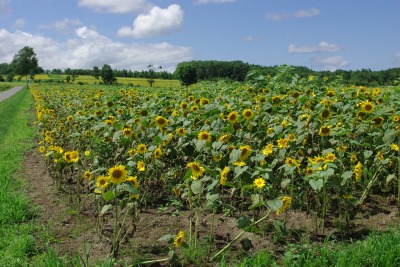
{"points": [[5, 87], [16, 240], [379, 249]]}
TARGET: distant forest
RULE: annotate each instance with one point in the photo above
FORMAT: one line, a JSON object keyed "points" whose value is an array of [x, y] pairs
{"points": [[193, 71]]}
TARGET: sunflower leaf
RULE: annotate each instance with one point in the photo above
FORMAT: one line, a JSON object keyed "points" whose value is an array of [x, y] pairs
{"points": [[197, 187], [235, 155], [275, 204], [105, 209], [243, 222]]}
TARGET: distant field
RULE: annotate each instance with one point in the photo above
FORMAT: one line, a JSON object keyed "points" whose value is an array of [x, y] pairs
{"points": [[123, 80]]}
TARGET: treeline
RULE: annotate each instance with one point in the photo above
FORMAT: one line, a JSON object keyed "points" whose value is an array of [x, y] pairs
{"points": [[193, 71]]}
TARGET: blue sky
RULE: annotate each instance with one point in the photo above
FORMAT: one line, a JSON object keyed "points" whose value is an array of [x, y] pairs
{"points": [[132, 34]]}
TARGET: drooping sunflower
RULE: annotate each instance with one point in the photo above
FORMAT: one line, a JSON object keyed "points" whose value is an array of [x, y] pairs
{"points": [[358, 171], [282, 142], [224, 176], [141, 148], [377, 121], [225, 138], [161, 122], [324, 130], [178, 241], [268, 149], [197, 169], [259, 183], [394, 147], [367, 107], [133, 180], [141, 166], [232, 117], [248, 114], [287, 201], [158, 152], [117, 174], [102, 181], [246, 151], [204, 135], [379, 155]]}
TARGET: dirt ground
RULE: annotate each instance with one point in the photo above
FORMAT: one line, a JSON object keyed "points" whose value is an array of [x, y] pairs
{"points": [[68, 229]]}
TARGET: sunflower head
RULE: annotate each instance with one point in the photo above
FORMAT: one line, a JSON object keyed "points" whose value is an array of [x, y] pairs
{"points": [[141, 148], [178, 241], [204, 135], [117, 174], [232, 117], [324, 130], [248, 114], [259, 183], [102, 181], [367, 107], [181, 131], [377, 121], [325, 114], [246, 151], [197, 169], [161, 122]]}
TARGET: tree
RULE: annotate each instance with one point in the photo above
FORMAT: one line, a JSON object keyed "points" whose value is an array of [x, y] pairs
{"points": [[152, 74], [25, 62], [186, 73], [96, 72], [107, 74]]}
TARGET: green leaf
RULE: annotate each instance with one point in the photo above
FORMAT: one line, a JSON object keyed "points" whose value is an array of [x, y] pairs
{"points": [[239, 170], [128, 187], [316, 184], [105, 209], [110, 195], [278, 129], [345, 176], [188, 175], [165, 237], [275, 204], [116, 136], [285, 183], [196, 187], [200, 144], [212, 185], [217, 145], [243, 222], [235, 155], [390, 177], [212, 197], [367, 154], [389, 136]]}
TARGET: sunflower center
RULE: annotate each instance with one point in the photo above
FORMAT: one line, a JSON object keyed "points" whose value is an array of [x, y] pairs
{"points": [[161, 120], [196, 168], [117, 174]]}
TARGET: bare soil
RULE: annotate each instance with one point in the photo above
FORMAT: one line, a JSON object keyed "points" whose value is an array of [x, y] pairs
{"points": [[69, 227]]}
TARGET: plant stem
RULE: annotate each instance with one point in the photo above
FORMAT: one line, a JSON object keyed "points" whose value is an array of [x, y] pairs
{"points": [[371, 182], [240, 235]]}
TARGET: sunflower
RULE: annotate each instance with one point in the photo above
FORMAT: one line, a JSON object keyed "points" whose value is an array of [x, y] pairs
{"points": [[232, 117], [396, 118], [325, 114], [259, 183], [283, 143], [141, 166], [292, 162], [246, 151], [239, 163], [204, 101], [324, 130], [248, 114], [379, 155], [353, 158], [143, 113], [102, 181], [70, 118], [127, 132], [330, 93], [181, 131], [225, 138], [42, 149], [161, 122], [291, 137], [158, 152], [117, 174], [367, 107], [377, 121], [71, 156], [394, 147], [197, 169], [183, 105], [308, 171], [87, 175], [133, 180], [224, 176], [178, 241], [331, 157], [358, 171], [204, 135], [132, 152], [141, 148], [194, 108], [287, 201]]}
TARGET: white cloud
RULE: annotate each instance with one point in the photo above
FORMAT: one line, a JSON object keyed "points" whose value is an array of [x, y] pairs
{"points": [[116, 6], [89, 48], [300, 13], [321, 47], [19, 23], [157, 21], [4, 8], [213, 1], [62, 26], [397, 58], [329, 63]]}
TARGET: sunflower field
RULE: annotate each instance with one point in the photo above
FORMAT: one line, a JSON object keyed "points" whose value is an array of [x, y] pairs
{"points": [[263, 146]]}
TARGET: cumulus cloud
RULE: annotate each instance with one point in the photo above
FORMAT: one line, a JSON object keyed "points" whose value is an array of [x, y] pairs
{"points": [[300, 13], [329, 63], [321, 47], [116, 6], [157, 21], [396, 58], [62, 26], [88, 48], [202, 2]]}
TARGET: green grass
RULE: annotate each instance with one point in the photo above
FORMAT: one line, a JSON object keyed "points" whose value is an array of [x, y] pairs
{"points": [[16, 240], [379, 249]]}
